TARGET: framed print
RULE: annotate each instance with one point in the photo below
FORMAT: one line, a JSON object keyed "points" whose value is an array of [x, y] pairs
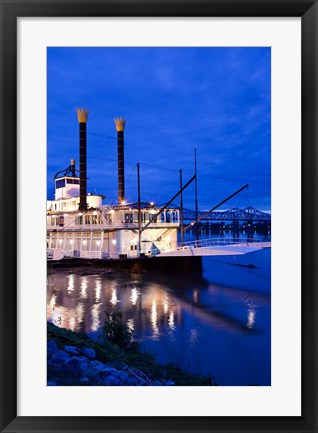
{"points": [[158, 216]]}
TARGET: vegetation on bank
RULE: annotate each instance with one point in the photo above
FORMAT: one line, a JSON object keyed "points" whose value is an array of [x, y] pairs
{"points": [[116, 347]]}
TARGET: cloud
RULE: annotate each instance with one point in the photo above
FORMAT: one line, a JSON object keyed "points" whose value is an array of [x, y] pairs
{"points": [[174, 99]]}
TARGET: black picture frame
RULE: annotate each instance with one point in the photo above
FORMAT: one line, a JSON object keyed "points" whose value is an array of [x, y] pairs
{"points": [[10, 11]]}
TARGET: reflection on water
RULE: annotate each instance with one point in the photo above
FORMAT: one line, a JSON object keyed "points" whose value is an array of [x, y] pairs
{"points": [[202, 326]]}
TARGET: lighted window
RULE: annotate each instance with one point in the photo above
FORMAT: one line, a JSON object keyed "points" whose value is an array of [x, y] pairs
{"points": [[108, 218], [69, 244], [145, 217], [153, 218], [128, 217], [96, 244]]}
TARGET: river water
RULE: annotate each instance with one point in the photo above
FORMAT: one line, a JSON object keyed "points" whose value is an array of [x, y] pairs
{"points": [[217, 323]]}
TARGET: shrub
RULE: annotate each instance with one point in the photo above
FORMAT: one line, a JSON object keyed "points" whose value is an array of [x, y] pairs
{"points": [[117, 331]]}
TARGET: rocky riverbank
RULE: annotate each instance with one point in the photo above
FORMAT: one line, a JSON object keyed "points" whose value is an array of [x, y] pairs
{"points": [[76, 360]]}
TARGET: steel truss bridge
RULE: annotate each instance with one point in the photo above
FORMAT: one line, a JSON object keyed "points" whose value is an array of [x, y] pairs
{"points": [[234, 214]]}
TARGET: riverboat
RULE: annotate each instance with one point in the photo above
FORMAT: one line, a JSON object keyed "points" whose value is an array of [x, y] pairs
{"points": [[80, 226]]}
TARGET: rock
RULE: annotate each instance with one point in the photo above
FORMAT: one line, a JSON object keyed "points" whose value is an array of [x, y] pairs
{"points": [[77, 364], [84, 380], [71, 349], [60, 357], [52, 365], [95, 368], [89, 353], [52, 345], [97, 365], [123, 376], [169, 383], [108, 371], [51, 348], [111, 380]]}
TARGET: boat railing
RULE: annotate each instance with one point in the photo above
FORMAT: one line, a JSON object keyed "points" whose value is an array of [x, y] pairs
{"points": [[106, 226], [214, 242]]}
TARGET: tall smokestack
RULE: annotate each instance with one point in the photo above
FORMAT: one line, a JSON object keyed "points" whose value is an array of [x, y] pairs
{"points": [[72, 167], [120, 127], [82, 115]]}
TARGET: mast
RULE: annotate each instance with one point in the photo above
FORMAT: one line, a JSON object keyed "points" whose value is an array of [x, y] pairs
{"points": [[139, 210], [196, 195], [181, 210]]}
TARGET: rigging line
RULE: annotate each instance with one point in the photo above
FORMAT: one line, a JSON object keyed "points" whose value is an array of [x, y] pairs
{"points": [[131, 172], [101, 149], [126, 182], [157, 194], [94, 158], [101, 135], [105, 175], [160, 167], [101, 171], [114, 194]]}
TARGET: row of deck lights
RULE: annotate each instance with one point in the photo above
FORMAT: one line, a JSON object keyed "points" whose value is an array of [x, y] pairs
{"points": [[124, 202]]}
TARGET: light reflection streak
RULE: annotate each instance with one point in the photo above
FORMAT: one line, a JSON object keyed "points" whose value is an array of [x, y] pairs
{"points": [[251, 313], [53, 301], [154, 319], [98, 289], [131, 324], [114, 300], [195, 295], [72, 323], [95, 317], [171, 321], [80, 312], [70, 287], [165, 306], [84, 287], [134, 295], [194, 337]]}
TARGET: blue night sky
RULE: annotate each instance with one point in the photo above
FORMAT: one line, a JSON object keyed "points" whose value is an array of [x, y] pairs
{"points": [[174, 99]]}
